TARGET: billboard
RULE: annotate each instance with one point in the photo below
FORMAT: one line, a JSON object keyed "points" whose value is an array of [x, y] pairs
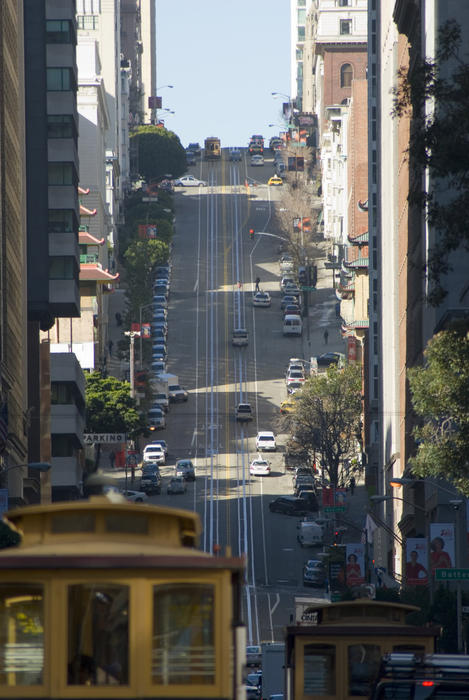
{"points": [[416, 568], [441, 546], [355, 564]]}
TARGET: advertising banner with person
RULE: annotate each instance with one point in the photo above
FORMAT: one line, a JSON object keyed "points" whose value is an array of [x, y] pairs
{"points": [[441, 546], [355, 564], [416, 568]]}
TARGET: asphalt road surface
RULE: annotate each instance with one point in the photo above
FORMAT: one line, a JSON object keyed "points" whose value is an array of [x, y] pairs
{"points": [[215, 264]]}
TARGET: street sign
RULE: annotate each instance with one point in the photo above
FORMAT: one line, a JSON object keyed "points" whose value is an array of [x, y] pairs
{"points": [[451, 574], [103, 438], [308, 289], [336, 509]]}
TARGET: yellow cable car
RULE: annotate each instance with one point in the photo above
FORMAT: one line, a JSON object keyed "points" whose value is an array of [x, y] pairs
{"points": [[212, 148], [106, 599]]}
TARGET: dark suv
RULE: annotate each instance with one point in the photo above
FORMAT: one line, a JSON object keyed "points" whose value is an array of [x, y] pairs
{"points": [[185, 468], [150, 480], [289, 505]]}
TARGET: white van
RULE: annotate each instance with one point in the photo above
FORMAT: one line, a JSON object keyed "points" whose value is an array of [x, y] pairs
{"points": [[292, 325], [310, 534]]}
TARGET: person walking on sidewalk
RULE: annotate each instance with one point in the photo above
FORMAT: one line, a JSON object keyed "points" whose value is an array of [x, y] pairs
{"points": [[112, 458], [326, 336], [352, 485], [258, 280]]}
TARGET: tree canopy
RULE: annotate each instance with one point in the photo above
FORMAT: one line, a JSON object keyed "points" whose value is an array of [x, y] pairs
{"points": [[158, 152], [326, 420], [140, 260], [439, 144], [440, 397], [109, 406]]}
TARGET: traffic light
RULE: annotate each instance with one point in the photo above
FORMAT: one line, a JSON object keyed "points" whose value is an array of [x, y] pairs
{"points": [[251, 233]]}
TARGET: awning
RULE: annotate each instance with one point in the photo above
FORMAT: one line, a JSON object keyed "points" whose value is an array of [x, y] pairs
{"points": [[94, 271], [87, 212], [85, 238]]}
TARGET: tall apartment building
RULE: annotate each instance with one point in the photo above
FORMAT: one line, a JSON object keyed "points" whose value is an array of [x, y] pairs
{"points": [[298, 13], [52, 227], [138, 46], [401, 322], [13, 306]]}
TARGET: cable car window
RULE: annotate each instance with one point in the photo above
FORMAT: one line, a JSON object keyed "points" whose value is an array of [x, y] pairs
{"points": [[363, 667], [98, 634], [131, 524], [72, 522], [183, 650], [319, 669], [21, 634]]}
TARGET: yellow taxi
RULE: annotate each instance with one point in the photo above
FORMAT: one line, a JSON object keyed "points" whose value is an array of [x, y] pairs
{"points": [[275, 180], [287, 406]]}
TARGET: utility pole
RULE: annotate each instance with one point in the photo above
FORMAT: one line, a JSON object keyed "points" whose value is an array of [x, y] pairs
{"points": [[132, 335]]}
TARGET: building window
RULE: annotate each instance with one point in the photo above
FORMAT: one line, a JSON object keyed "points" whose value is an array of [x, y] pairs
{"points": [[60, 79], [61, 393], [62, 268], [345, 26], [61, 126], [183, 634], [301, 33], [62, 446], [346, 75], [61, 221], [21, 634], [98, 634], [61, 174], [301, 3], [344, 3], [59, 31], [88, 22], [301, 17], [299, 53]]}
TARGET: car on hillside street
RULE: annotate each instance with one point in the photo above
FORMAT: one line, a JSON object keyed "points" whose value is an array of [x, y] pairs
{"points": [[265, 440], [189, 181]]}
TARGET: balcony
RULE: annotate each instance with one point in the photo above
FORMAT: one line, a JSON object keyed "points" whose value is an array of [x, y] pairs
{"points": [[89, 258]]}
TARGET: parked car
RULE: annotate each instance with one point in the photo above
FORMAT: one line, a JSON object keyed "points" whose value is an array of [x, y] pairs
{"points": [[265, 440], [314, 573], [176, 485], [253, 655], [257, 159], [288, 299], [186, 469], [189, 181], [261, 299]]}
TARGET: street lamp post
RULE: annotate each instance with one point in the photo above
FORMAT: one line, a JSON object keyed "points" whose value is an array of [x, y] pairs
{"points": [[132, 335], [144, 306], [33, 466], [161, 87], [456, 504]]}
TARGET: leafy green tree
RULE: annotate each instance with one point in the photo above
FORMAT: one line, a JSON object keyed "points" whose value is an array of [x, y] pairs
{"points": [[326, 420], [440, 396], [110, 408], [140, 260], [158, 152], [439, 145]]}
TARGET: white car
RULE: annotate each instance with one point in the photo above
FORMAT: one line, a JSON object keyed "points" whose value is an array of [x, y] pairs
{"points": [[259, 467], [189, 181], [261, 299], [154, 454], [265, 440], [295, 376], [135, 496], [257, 160]]}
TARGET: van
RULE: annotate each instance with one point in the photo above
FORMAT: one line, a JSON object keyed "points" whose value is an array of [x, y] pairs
{"points": [[292, 325], [310, 534]]}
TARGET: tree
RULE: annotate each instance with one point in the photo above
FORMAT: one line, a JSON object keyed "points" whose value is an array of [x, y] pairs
{"points": [[159, 152], [439, 144], [110, 408], [440, 396], [326, 421], [140, 260]]}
